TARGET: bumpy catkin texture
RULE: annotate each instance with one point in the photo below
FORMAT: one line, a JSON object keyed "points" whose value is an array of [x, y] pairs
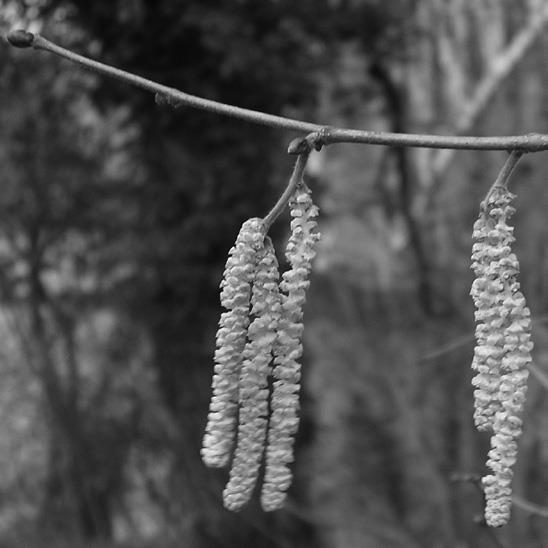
{"points": [[492, 240], [284, 418], [230, 342], [503, 351], [507, 426], [253, 388]]}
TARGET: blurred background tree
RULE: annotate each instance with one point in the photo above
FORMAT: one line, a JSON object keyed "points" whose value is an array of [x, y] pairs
{"points": [[116, 215]]}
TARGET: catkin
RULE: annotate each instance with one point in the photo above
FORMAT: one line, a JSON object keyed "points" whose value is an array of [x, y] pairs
{"points": [[492, 240], [230, 343], [507, 425], [503, 349], [284, 418], [253, 384]]}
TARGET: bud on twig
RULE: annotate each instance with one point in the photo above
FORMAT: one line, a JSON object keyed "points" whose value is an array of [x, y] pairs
{"points": [[20, 38]]}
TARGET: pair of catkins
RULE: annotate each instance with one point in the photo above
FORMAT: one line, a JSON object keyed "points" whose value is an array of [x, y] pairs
{"points": [[503, 349], [254, 409]]}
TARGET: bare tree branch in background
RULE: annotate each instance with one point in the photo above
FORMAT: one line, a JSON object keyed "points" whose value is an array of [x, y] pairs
{"points": [[531, 507], [539, 375], [501, 67]]}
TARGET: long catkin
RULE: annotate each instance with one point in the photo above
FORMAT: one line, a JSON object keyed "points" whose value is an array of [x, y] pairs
{"points": [[230, 342], [503, 349], [284, 418], [253, 383]]}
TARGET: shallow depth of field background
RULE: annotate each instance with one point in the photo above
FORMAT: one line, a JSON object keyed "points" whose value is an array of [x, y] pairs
{"points": [[116, 215]]}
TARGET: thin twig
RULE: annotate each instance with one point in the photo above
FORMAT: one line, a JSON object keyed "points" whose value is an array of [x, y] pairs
{"points": [[504, 175], [283, 200], [531, 507], [167, 94], [540, 376], [532, 142], [464, 340], [455, 344]]}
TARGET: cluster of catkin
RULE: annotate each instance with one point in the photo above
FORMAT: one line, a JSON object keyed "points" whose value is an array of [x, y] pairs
{"points": [[503, 349], [255, 402]]}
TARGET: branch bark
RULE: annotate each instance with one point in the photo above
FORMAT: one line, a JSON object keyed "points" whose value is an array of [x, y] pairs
{"points": [[532, 142]]}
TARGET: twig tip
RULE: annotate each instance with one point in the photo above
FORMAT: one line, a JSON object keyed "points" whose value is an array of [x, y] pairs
{"points": [[20, 38]]}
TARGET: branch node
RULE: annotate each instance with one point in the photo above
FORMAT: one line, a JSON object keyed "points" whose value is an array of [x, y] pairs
{"points": [[313, 141], [20, 38], [164, 99], [322, 137]]}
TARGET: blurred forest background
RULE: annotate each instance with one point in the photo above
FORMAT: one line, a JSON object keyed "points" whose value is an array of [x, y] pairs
{"points": [[116, 216]]}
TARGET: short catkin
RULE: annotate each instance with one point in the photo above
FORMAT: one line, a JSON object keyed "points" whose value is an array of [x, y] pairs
{"points": [[503, 349], [230, 343], [253, 383], [284, 418]]}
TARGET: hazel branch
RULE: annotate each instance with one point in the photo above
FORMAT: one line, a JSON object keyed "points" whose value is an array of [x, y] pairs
{"points": [[532, 142], [164, 94]]}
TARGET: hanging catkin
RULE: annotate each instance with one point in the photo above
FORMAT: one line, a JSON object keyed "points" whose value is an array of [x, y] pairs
{"points": [[492, 239], [253, 386], [284, 418], [230, 342], [503, 348]]}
